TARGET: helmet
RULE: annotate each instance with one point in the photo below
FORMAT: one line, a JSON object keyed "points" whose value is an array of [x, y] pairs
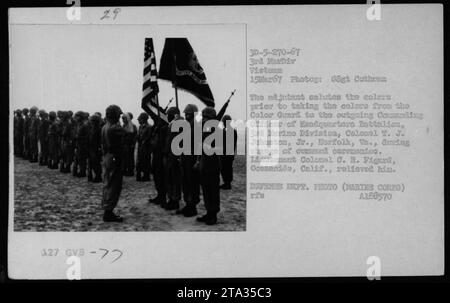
{"points": [[190, 109], [25, 111], [33, 110], [209, 112], [95, 118], [226, 118], [18, 111], [143, 117], [173, 111], [52, 115], [41, 112], [113, 112]]}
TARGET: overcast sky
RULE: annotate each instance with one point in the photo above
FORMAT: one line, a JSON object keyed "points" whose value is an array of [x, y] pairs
{"points": [[88, 67]]}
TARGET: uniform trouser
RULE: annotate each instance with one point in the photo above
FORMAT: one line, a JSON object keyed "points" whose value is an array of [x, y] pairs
{"points": [[26, 145], [158, 174], [226, 168], [211, 191], [128, 161], [172, 177], [44, 151], [68, 156], [18, 145], [112, 181], [191, 182], [82, 155], [95, 163], [52, 153], [33, 148], [143, 164]]}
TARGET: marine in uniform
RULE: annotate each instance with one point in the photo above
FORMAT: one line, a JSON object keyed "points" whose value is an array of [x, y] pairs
{"points": [[18, 133], [52, 141], [144, 153], [190, 176], [26, 135], [82, 145], [95, 151], [67, 143], [59, 126], [112, 141], [44, 124], [172, 165], [158, 139], [227, 158], [33, 135], [209, 167], [129, 144]]}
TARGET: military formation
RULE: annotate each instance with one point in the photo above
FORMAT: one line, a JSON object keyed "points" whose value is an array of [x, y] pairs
{"points": [[103, 150]]}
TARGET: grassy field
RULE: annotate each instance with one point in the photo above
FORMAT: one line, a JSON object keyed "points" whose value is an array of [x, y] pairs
{"points": [[47, 200]]}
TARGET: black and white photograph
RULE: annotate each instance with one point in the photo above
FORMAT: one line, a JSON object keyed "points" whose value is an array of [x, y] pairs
{"points": [[95, 109], [225, 142]]}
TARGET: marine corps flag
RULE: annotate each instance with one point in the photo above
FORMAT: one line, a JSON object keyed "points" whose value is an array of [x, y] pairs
{"points": [[180, 65], [150, 87]]}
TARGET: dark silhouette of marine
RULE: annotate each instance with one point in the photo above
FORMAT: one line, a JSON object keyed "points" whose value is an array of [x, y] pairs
{"points": [[190, 177], [95, 149], [227, 159], [112, 142], [143, 165], [209, 168]]}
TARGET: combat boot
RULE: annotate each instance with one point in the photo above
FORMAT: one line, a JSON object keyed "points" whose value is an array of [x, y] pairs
{"points": [[110, 216], [203, 218], [172, 205], [157, 200], [190, 211], [211, 220], [97, 179], [225, 186]]}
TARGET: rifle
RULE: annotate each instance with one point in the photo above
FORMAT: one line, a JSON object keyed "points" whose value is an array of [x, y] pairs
{"points": [[167, 106], [224, 107]]}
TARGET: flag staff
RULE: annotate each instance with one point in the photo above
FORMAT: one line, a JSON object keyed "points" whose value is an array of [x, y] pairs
{"points": [[157, 105], [175, 73], [176, 95]]}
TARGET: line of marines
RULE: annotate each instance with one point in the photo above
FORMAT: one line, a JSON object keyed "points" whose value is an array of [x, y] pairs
{"points": [[103, 150]]}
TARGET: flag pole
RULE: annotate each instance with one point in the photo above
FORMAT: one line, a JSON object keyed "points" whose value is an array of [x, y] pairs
{"points": [[176, 95], [175, 74], [157, 105]]}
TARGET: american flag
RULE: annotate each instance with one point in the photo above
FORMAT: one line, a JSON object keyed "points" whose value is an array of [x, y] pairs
{"points": [[150, 87]]}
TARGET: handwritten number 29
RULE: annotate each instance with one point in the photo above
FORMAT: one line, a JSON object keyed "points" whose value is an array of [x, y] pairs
{"points": [[107, 14]]}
